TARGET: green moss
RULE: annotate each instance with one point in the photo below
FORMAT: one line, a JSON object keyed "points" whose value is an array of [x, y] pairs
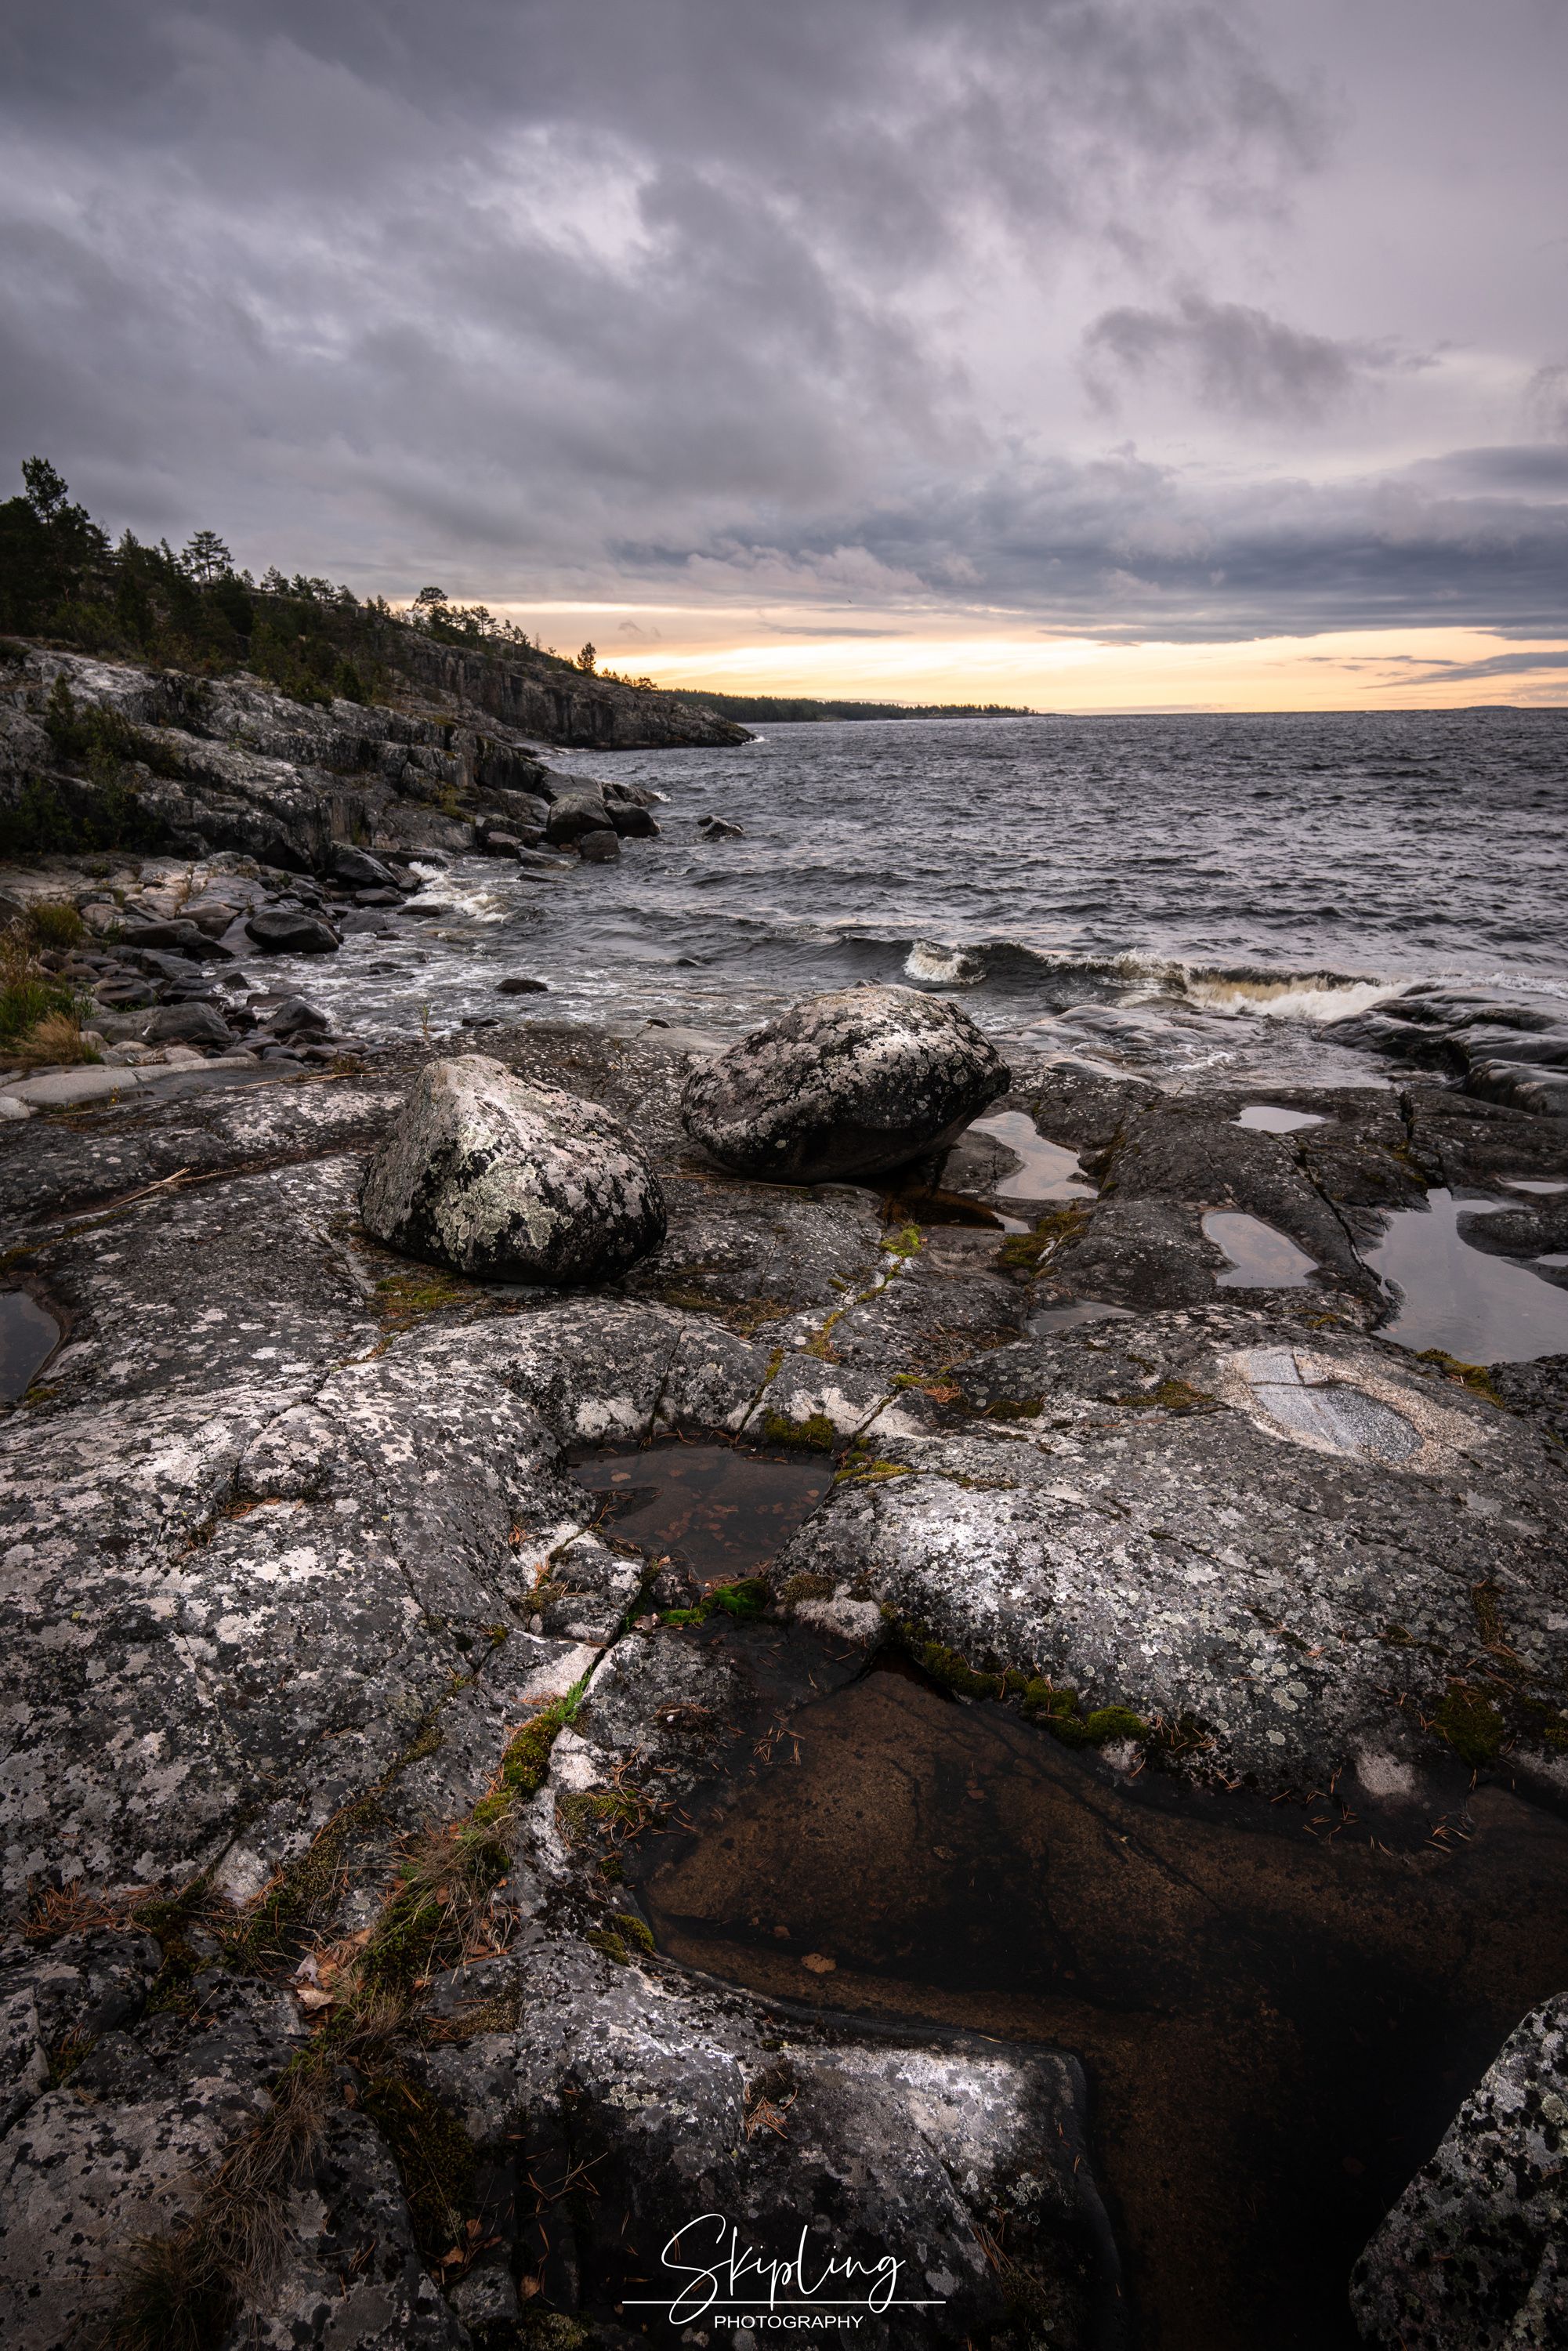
{"points": [[817, 1435], [635, 1930], [1170, 1395], [1015, 1408], [1471, 1725], [861, 1472], [552, 2330], [1111, 1722], [1477, 1378], [903, 1244], [407, 1298], [435, 2157], [740, 1600], [614, 1948], [806, 1587], [1025, 1253]]}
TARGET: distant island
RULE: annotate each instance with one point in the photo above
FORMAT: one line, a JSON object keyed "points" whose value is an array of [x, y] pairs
{"points": [[755, 709]]}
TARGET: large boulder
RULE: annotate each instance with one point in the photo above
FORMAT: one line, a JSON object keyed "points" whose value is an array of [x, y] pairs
{"points": [[510, 1182], [279, 930], [581, 809], [844, 1085], [1475, 2253]]}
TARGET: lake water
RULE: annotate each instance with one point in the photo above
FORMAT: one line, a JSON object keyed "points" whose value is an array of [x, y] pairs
{"points": [[1160, 892]]}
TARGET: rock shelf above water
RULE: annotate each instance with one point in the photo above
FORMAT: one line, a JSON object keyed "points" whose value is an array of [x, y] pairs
{"points": [[295, 1556]]}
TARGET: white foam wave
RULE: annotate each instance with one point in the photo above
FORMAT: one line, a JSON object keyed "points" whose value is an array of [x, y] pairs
{"points": [[470, 901], [943, 966]]}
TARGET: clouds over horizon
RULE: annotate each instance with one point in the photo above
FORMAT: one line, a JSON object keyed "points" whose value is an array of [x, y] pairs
{"points": [[827, 305]]}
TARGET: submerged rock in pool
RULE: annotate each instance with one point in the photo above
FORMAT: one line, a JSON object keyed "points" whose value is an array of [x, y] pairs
{"points": [[845, 1084], [511, 1182], [1473, 2251]]}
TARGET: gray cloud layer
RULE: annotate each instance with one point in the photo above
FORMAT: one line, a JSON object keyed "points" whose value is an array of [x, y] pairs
{"points": [[733, 301]]}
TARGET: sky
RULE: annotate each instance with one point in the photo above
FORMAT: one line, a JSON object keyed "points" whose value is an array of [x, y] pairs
{"points": [[1090, 354]]}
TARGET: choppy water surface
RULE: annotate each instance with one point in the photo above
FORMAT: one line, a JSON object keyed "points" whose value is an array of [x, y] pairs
{"points": [[1165, 892]]}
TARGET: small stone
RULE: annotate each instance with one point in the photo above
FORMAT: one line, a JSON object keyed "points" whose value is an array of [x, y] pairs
{"points": [[718, 828], [517, 984], [599, 848]]}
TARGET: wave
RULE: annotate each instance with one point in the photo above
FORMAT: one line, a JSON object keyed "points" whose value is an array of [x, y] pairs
{"points": [[943, 966]]}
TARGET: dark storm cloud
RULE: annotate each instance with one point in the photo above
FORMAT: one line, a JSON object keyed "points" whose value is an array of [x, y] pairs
{"points": [[645, 296]]}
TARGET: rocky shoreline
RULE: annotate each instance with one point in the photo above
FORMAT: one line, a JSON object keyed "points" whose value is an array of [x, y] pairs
{"points": [[333, 1697]]}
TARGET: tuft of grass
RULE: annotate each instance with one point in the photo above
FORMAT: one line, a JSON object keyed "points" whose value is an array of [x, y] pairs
{"points": [[55, 1042], [54, 926]]}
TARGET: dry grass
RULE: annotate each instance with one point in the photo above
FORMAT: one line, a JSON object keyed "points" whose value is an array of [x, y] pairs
{"points": [[55, 1042]]}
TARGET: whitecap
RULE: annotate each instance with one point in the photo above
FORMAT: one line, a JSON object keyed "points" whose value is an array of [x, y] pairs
{"points": [[940, 966]]}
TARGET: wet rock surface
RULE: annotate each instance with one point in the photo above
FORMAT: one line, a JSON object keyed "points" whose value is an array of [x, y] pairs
{"points": [[301, 1593]]}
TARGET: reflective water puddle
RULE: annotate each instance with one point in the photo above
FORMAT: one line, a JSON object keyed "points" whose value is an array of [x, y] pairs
{"points": [[1270, 1118], [1531, 1184], [1261, 1259], [1050, 1171], [716, 1508], [28, 1337], [1278, 2023], [1477, 1308], [1047, 1320]]}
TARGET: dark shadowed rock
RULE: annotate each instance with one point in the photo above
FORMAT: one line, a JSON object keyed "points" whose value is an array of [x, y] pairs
{"points": [[599, 848], [718, 828], [296, 1016], [493, 1177], [359, 868], [1473, 2253], [281, 932], [190, 1024], [632, 823], [844, 1085], [517, 983], [578, 810]]}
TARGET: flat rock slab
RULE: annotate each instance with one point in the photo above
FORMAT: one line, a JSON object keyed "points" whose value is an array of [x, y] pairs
{"points": [[1279, 1546]]}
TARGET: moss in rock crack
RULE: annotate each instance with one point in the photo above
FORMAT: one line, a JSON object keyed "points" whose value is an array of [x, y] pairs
{"points": [[552, 2330], [406, 1298], [806, 1587], [862, 1470], [742, 1315], [1169, 1396], [1477, 1378], [301, 1888], [1024, 1253], [821, 1342], [1471, 1725], [1015, 1408], [817, 1435], [740, 1600], [623, 1929], [903, 1244], [436, 2159]]}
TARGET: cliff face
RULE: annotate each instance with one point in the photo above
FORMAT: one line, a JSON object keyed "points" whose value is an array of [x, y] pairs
{"points": [[96, 755], [578, 711]]}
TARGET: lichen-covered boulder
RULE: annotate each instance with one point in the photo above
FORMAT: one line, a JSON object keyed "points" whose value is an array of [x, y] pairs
{"points": [[844, 1085], [491, 1176], [1475, 2253]]}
